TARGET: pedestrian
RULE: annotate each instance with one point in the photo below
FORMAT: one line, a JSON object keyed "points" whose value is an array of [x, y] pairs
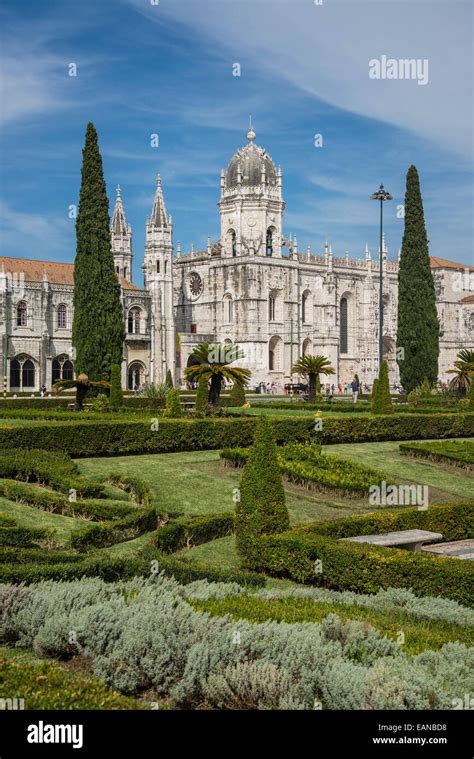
{"points": [[355, 388]]}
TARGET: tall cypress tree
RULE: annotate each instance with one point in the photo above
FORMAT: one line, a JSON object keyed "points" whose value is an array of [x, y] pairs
{"points": [[418, 326], [98, 325]]}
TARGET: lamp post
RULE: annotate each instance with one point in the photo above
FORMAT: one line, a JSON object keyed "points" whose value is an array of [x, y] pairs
{"points": [[381, 195]]}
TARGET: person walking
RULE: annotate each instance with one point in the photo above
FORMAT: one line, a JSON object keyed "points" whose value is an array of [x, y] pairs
{"points": [[355, 388]]}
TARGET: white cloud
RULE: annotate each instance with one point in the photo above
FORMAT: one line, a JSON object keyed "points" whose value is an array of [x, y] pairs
{"points": [[325, 51]]}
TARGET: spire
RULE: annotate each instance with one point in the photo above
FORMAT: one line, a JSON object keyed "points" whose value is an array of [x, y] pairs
{"points": [[118, 224], [158, 213], [251, 134]]}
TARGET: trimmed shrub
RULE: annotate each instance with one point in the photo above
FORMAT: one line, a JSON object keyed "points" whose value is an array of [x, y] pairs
{"points": [[186, 532], [137, 488], [262, 508], [109, 533], [455, 452], [364, 568], [47, 468], [201, 398], [237, 394], [305, 465], [471, 393], [115, 395], [169, 379], [173, 405], [23, 537], [382, 401], [57, 503], [454, 521], [102, 438]]}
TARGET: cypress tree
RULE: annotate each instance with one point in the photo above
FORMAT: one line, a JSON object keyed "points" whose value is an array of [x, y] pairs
{"points": [[418, 326], [381, 398], [262, 508], [98, 325], [169, 379], [237, 394], [201, 397], [116, 395]]}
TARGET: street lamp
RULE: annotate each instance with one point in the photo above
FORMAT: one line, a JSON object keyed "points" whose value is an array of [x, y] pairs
{"points": [[381, 195]]}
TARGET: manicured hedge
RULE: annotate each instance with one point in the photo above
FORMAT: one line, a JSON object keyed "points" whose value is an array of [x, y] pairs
{"points": [[192, 531], [366, 568], [47, 467], [185, 571], [14, 555], [137, 488], [344, 406], [58, 503], [304, 464], [108, 568], [100, 535], [455, 452], [113, 438], [112, 569], [23, 537], [455, 521]]}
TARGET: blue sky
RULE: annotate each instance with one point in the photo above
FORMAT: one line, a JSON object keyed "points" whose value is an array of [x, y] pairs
{"points": [[168, 69]]}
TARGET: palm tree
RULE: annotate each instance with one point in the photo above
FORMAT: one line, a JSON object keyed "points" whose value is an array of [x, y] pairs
{"points": [[212, 362], [313, 366], [464, 368], [82, 385]]}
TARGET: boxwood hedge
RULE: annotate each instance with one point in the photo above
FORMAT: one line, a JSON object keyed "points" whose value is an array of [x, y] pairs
{"points": [[316, 555], [104, 438]]}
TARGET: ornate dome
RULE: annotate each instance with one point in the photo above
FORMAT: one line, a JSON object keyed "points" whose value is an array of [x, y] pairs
{"points": [[251, 159]]}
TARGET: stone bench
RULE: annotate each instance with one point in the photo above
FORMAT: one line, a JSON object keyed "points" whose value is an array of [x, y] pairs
{"points": [[460, 549], [411, 540]]}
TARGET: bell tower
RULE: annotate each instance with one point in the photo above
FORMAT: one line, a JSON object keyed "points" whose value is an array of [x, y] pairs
{"points": [[251, 204], [121, 239], [158, 280]]}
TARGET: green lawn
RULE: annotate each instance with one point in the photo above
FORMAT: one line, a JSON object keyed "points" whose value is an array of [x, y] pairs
{"points": [[197, 483], [444, 481]]}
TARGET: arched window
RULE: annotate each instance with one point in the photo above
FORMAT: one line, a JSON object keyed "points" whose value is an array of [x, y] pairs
{"points": [[135, 376], [228, 305], [125, 272], [62, 316], [343, 336], [269, 244], [234, 245], [134, 318], [157, 267], [306, 307], [62, 368], [22, 372], [274, 354], [166, 266], [307, 347], [15, 373], [21, 314], [271, 307]]}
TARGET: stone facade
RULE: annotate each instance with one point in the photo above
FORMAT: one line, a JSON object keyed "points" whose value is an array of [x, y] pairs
{"points": [[252, 287]]}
